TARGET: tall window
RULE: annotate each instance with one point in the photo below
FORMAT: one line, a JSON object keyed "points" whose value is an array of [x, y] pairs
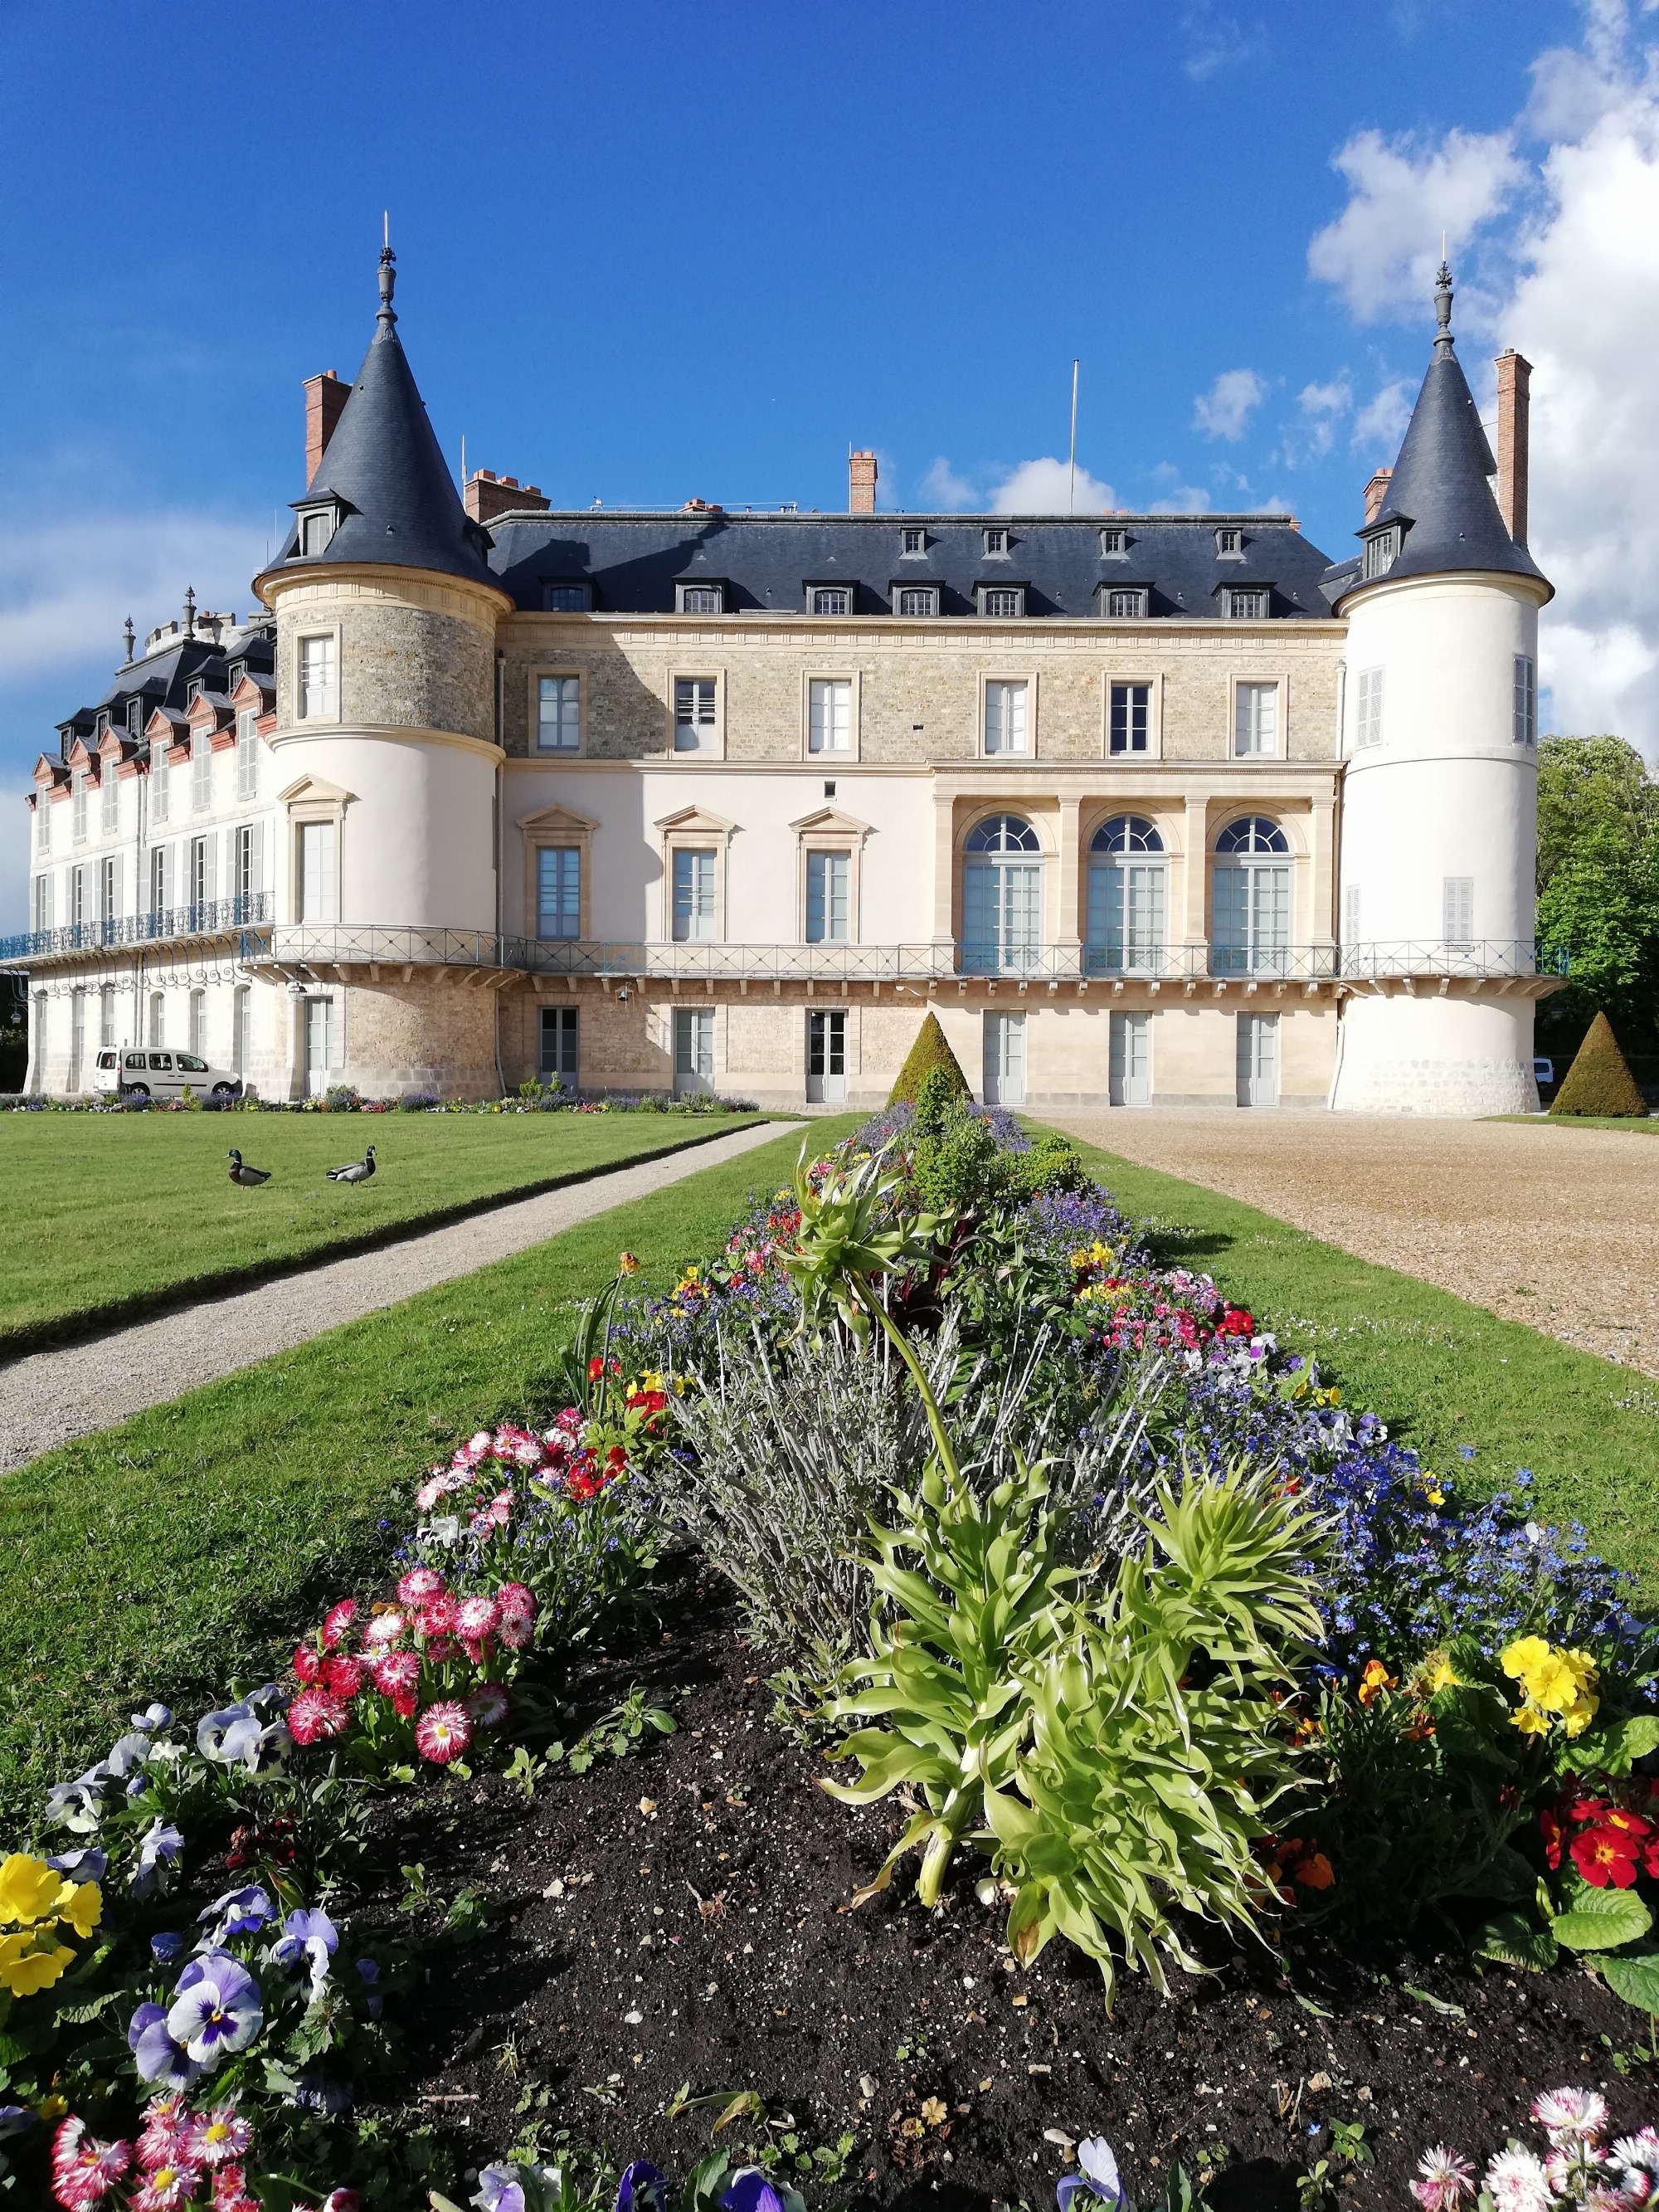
{"points": [[200, 890], [829, 898], [1256, 720], [317, 680], [198, 1022], [559, 890], [1132, 708], [694, 714], [159, 774], [694, 895], [241, 1029], [43, 825], [1367, 713], [1457, 912], [694, 1049], [106, 1015], [78, 806], [77, 892], [1526, 701], [201, 773], [316, 872], [830, 715], [42, 904], [558, 714], [158, 879], [1001, 897], [77, 1036], [158, 1017], [559, 1044], [1251, 918], [832, 599], [826, 1057], [247, 863], [248, 755], [1351, 913], [110, 812], [109, 890], [1005, 721], [1126, 897]]}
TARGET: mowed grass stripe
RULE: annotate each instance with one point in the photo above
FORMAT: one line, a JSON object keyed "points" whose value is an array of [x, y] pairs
{"points": [[112, 1215], [185, 1549], [1440, 1371]]}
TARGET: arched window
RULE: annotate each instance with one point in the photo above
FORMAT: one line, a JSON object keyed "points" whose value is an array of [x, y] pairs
{"points": [[1001, 897], [1251, 931], [1127, 898]]}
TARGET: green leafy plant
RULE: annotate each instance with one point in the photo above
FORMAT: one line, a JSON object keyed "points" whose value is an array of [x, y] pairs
{"points": [[626, 1728], [852, 1234]]}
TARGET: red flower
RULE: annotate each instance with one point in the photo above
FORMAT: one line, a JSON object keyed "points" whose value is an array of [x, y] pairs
{"points": [[308, 1663], [595, 1368], [1552, 1830], [342, 1677], [1604, 1856], [337, 1621], [314, 1713]]}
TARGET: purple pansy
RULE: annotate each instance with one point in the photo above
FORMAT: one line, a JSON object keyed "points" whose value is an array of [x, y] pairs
{"points": [[158, 1847], [1097, 2178], [216, 2008], [156, 2054], [308, 1940], [239, 1912], [642, 2188]]}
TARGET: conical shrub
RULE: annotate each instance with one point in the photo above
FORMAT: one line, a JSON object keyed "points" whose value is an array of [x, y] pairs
{"points": [[931, 1050], [1598, 1082]]}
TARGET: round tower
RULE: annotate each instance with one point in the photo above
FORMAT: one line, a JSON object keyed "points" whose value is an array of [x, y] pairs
{"points": [[386, 751], [1439, 800]]}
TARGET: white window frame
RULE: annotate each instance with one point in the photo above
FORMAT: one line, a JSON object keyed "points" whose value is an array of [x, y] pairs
{"points": [[985, 594], [1235, 593], [328, 902], [820, 858], [1368, 709], [1154, 690], [537, 723], [1457, 905], [1230, 542], [569, 857], [247, 753], [816, 592], [928, 594], [1114, 544], [910, 550], [329, 711], [698, 881], [1000, 679], [813, 680], [241, 1029], [1524, 712], [78, 806], [161, 778], [995, 544], [714, 746], [109, 791], [695, 1024], [42, 825], [201, 769], [1254, 686], [1112, 592]]}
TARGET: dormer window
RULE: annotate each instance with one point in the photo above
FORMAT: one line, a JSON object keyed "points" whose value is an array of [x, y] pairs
{"points": [[996, 544], [1122, 602], [193, 691], [913, 541], [1250, 605], [235, 674], [571, 598], [317, 526], [708, 598], [100, 724], [1382, 551], [919, 601], [1114, 544], [829, 598], [1001, 602], [134, 717], [1229, 544]]}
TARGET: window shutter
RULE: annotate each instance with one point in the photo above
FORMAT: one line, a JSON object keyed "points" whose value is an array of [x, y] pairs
{"points": [[255, 857], [114, 881], [1457, 909]]}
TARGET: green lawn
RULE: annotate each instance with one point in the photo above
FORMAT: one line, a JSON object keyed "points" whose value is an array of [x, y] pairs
{"points": [[186, 1547], [106, 1212], [1440, 1371], [1649, 1128]]}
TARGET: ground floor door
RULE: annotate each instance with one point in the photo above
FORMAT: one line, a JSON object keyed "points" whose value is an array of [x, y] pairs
{"points": [[1131, 1060], [557, 1058], [1005, 1059], [1258, 1060], [693, 1049], [826, 1059], [317, 1013]]}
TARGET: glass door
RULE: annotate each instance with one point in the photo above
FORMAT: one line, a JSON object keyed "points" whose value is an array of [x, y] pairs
{"points": [[556, 1060], [1258, 1060], [1005, 1059], [693, 1049], [317, 1013], [826, 1059], [1131, 1060]]}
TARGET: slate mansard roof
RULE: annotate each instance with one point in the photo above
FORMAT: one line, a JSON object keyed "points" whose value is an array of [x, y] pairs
{"points": [[162, 679], [632, 562]]}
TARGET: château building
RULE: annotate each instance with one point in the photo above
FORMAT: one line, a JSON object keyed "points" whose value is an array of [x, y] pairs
{"points": [[1146, 808]]}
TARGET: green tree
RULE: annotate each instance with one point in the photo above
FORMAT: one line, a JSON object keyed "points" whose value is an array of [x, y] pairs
{"points": [[1586, 784], [1598, 886]]}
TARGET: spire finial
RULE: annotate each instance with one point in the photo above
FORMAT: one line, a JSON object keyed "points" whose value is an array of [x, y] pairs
{"points": [[1442, 304], [387, 318], [129, 633], [189, 610]]}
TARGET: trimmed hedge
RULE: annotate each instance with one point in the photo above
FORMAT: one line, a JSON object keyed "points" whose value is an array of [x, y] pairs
{"points": [[1598, 1082], [931, 1050]]}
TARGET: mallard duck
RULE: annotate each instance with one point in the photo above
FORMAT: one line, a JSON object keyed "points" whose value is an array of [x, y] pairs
{"points": [[250, 1178], [355, 1170]]}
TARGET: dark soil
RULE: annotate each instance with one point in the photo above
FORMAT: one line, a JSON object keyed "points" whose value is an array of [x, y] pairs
{"points": [[681, 1917]]}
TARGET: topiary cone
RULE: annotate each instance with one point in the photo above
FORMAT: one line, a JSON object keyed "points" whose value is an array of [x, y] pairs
{"points": [[1598, 1082], [932, 1049]]}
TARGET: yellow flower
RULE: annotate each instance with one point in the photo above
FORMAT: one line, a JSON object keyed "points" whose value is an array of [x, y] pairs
{"points": [[28, 1888], [81, 1904], [26, 1972], [1530, 1721], [1524, 1657], [1580, 1718], [52, 2107], [1433, 1490], [628, 1264], [1374, 1678], [1441, 1675]]}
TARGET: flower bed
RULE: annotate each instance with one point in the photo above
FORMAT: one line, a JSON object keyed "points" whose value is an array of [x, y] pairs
{"points": [[1180, 1665]]}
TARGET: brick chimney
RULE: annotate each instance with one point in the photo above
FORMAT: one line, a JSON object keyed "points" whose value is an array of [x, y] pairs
{"points": [[487, 495], [326, 400], [1376, 492], [1514, 408], [861, 484]]}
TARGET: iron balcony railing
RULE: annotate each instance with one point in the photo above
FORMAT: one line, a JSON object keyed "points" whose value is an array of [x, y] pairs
{"points": [[206, 918], [1484, 956]]}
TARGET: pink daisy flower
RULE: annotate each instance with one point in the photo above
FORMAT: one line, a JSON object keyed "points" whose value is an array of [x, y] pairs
{"points": [[1516, 2182], [1570, 2115], [395, 1670], [488, 1704], [163, 2119], [342, 1676], [443, 1732], [307, 1662], [437, 1616], [218, 2138], [82, 2167], [442, 1650], [314, 1714], [430, 1492], [230, 2191], [420, 1584], [1640, 2151], [166, 2189], [336, 1623], [476, 1618], [1447, 2179], [517, 1609], [385, 1630]]}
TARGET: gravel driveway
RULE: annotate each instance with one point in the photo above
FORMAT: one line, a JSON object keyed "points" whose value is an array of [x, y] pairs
{"points": [[1556, 1227]]}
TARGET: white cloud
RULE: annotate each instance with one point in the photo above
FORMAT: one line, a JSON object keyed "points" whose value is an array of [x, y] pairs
{"points": [[1380, 423], [943, 490], [1383, 250], [1185, 499], [1218, 42], [1224, 409], [1332, 398], [1045, 487], [1573, 282]]}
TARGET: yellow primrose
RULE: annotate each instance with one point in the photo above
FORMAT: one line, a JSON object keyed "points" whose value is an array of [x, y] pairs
{"points": [[1530, 1721], [81, 1904], [26, 1972], [1441, 1675], [28, 1888], [1579, 1718], [1523, 1657]]}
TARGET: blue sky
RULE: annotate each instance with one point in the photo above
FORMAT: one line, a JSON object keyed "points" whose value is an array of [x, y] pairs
{"points": [[648, 253]]}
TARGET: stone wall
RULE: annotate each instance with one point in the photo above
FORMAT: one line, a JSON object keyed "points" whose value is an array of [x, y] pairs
{"points": [[411, 655]]}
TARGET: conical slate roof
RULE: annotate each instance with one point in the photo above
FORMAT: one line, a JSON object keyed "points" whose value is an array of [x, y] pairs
{"points": [[1439, 486], [399, 506]]}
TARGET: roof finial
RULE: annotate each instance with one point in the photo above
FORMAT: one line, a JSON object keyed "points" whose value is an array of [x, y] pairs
{"points": [[1443, 302], [189, 610], [129, 633], [388, 274]]}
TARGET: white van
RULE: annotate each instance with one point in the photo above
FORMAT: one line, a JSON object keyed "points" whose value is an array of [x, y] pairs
{"points": [[159, 1073]]}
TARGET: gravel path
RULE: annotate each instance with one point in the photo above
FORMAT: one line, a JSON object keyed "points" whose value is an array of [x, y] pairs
{"points": [[1558, 1228], [48, 1397]]}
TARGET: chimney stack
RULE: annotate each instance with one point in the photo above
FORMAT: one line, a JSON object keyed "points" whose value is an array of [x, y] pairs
{"points": [[861, 484], [1514, 408], [326, 400], [487, 495], [1376, 492]]}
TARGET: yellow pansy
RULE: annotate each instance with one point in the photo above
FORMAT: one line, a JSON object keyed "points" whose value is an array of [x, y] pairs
{"points": [[27, 1972], [28, 1888], [81, 1904]]}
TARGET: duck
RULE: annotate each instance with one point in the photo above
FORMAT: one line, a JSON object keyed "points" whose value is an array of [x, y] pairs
{"points": [[249, 1178], [355, 1170]]}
